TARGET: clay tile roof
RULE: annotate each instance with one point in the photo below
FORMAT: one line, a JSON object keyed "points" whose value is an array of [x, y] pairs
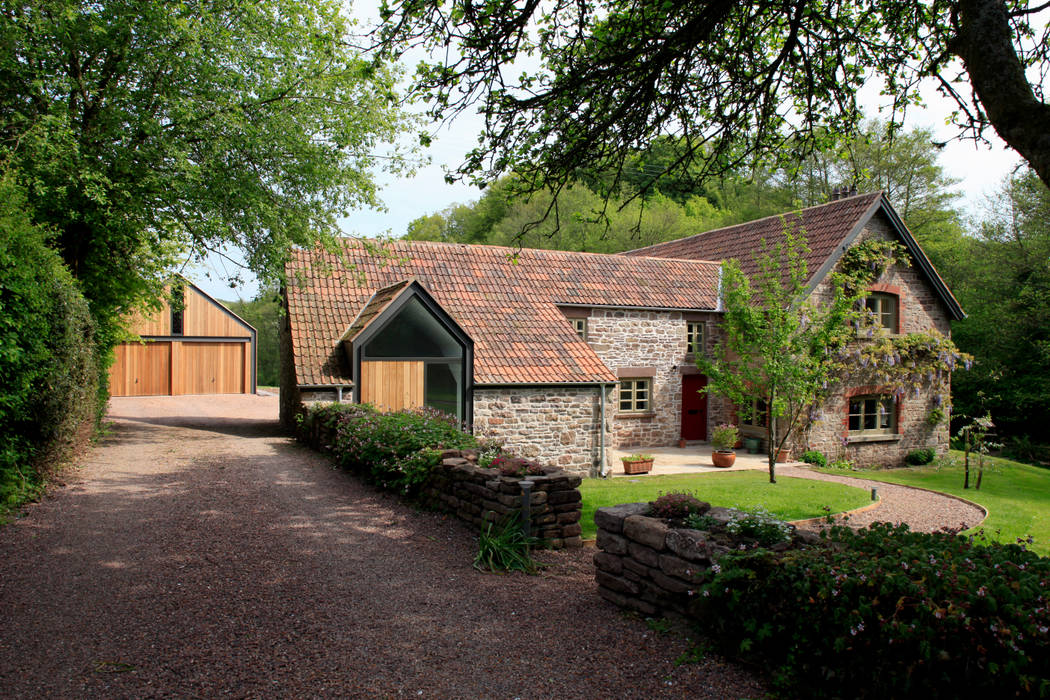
{"points": [[505, 299], [825, 226], [379, 301]]}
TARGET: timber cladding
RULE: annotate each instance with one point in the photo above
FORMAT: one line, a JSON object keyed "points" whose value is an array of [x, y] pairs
{"points": [[213, 354], [392, 385]]}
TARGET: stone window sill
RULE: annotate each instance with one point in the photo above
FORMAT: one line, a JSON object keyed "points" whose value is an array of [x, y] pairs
{"points": [[874, 438], [635, 415]]}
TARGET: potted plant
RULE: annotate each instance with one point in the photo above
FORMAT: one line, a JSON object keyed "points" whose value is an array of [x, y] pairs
{"points": [[723, 440], [637, 464]]}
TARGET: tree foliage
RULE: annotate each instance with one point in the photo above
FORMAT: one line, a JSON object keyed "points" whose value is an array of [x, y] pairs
{"points": [[147, 133], [1002, 279], [264, 314], [566, 85], [48, 362]]}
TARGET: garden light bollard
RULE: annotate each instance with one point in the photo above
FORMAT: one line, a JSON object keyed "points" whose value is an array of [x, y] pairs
{"points": [[526, 507], [874, 494]]}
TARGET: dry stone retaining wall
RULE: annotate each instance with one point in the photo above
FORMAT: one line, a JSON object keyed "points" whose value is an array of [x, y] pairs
{"points": [[479, 496], [649, 567]]}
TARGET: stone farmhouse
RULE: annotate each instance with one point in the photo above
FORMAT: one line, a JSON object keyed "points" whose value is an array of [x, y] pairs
{"points": [[567, 355]]}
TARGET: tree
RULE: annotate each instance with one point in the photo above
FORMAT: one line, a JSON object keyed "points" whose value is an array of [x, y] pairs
{"points": [[147, 133], [567, 85], [1002, 279], [264, 314], [780, 348]]}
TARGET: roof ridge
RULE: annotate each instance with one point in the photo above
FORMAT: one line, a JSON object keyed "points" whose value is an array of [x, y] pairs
{"points": [[619, 257], [753, 222]]}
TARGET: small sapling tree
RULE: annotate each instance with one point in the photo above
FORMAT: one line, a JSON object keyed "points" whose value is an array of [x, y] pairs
{"points": [[780, 348]]}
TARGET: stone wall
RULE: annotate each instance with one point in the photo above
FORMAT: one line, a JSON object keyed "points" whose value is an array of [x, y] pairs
{"points": [[554, 425], [478, 496], [920, 310], [649, 567], [655, 343]]}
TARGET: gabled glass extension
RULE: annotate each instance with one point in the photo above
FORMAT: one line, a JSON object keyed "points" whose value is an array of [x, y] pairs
{"points": [[407, 352]]}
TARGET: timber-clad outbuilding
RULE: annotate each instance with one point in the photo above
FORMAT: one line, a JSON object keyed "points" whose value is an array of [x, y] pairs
{"points": [[192, 345]]}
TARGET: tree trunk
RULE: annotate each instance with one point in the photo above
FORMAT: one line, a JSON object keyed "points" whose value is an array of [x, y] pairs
{"points": [[966, 463], [771, 445], [984, 42], [980, 470]]}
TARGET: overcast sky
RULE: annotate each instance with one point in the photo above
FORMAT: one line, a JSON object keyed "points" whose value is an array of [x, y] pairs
{"points": [[980, 169]]}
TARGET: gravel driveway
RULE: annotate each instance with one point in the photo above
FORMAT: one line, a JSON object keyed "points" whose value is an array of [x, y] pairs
{"points": [[200, 554]]}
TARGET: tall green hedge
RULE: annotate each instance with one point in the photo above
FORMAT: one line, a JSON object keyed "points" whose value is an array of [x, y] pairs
{"points": [[49, 363]]}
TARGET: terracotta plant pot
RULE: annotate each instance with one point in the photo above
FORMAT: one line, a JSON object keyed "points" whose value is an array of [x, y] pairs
{"points": [[784, 455], [637, 466], [723, 459]]}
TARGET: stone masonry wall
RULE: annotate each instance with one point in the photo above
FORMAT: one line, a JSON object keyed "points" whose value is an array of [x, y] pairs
{"points": [[653, 341], [479, 496], [649, 567], [920, 309], [554, 425]]}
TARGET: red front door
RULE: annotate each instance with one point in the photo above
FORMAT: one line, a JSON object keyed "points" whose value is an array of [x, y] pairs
{"points": [[694, 407]]}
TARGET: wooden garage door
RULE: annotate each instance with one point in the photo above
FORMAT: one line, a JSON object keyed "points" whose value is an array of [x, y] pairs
{"points": [[211, 368], [141, 369]]}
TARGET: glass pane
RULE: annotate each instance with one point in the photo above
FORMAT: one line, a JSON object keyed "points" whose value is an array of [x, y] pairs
{"points": [[854, 422], [413, 333], [441, 387], [885, 415]]}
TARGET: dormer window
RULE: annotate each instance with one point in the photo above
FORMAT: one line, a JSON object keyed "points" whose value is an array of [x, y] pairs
{"points": [[885, 310], [580, 326]]}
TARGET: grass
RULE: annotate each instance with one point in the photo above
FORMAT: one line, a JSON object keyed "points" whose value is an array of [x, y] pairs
{"points": [[789, 499], [1016, 495]]}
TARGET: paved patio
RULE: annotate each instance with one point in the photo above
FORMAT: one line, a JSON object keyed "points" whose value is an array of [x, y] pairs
{"points": [[694, 458]]}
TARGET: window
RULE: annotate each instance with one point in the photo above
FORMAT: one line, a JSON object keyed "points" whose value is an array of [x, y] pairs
{"points": [[580, 326], [883, 308], [872, 415], [694, 337], [757, 415], [634, 395], [178, 306]]}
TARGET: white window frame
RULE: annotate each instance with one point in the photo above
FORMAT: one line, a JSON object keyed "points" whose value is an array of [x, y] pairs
{"points": [[758, 417], [637, 393]]}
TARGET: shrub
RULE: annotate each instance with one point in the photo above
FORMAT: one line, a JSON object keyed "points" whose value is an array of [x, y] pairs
{"points": [[510, 465], [920, 457], [815, 457], [49, 364], [760, 525], [724, 437], [677, 505], [885, 612], [397, 450]]}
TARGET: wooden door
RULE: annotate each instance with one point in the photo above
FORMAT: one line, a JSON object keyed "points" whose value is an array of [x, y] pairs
{"points": [[694, 407], [391, 385], [141, 369], [211, 368]]}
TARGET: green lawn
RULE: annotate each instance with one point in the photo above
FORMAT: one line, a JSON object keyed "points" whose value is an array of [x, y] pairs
{"points": [[790, 499], [1016, 495]]}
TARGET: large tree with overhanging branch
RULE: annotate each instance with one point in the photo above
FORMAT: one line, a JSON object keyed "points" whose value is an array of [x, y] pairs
{"points": [[149, 133], [566, 86]]}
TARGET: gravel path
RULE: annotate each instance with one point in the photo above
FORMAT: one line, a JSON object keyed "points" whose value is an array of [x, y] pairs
{"points": [[200, 554], [923, 511]]}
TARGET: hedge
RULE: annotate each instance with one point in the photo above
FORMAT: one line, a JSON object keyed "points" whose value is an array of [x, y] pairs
{"points": [[885, 612], [49, 365]]}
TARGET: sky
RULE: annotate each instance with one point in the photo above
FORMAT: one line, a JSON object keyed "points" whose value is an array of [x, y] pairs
{"points": [[980, 169]]}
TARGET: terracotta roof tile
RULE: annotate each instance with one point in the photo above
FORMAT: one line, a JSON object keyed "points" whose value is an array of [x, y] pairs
{"points": [[505, 299], [825, 227]]}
